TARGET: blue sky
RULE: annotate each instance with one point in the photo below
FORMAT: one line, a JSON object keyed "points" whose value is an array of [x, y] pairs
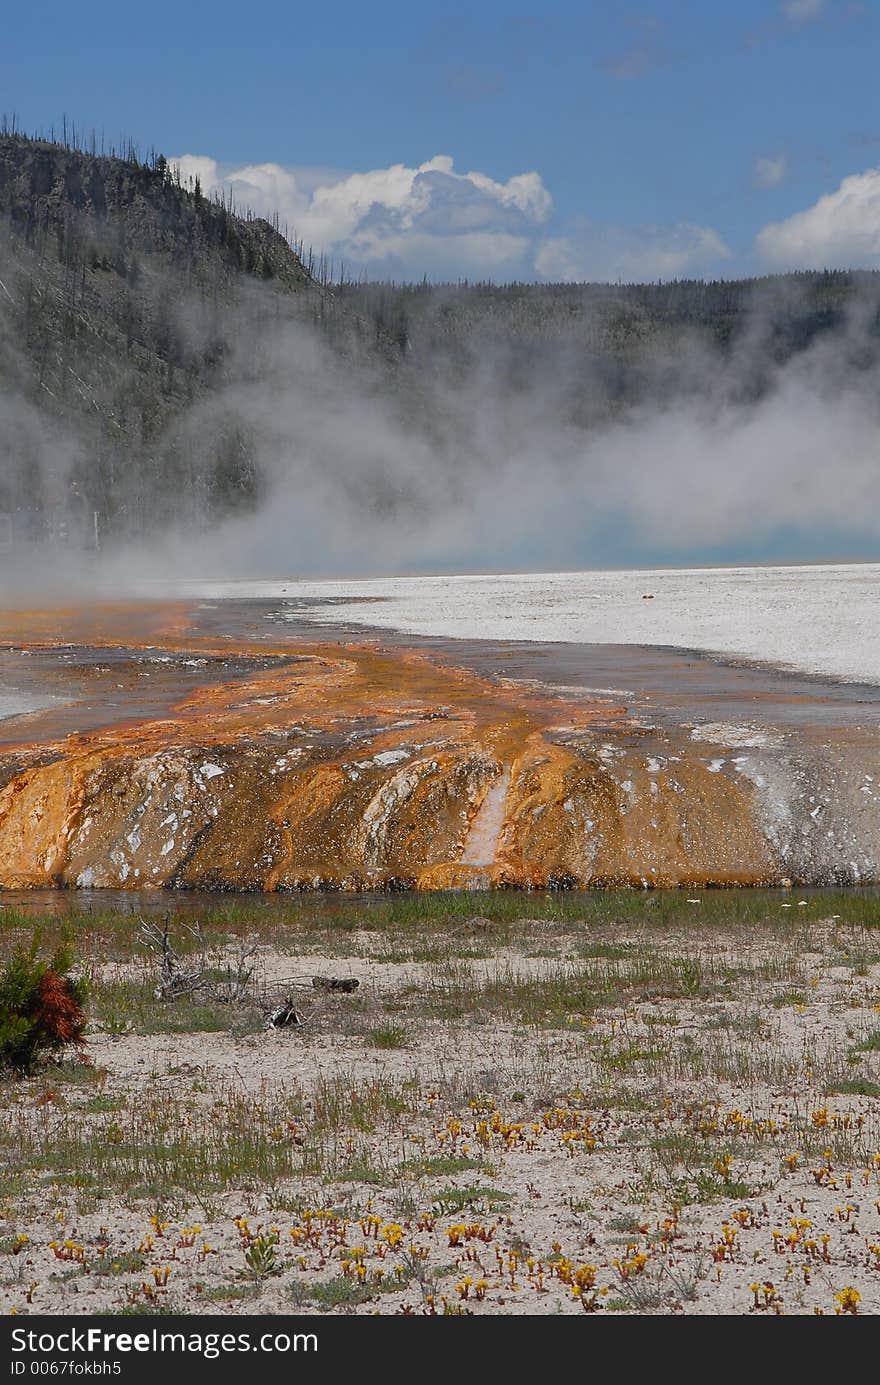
{"points": [[582, 141]]}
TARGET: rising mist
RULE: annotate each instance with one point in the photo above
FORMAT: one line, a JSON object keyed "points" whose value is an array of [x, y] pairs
{"points": [[179, 396]]}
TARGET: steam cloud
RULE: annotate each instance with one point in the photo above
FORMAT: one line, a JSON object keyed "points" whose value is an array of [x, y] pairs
{"points": [[492, 473], [446, 464]]}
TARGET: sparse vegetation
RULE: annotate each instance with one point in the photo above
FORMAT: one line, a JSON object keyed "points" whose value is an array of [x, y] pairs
{"points": [[610, 1128], [387, 1036]]}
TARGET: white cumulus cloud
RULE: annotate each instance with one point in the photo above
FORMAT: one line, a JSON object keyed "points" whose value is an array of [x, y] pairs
{"points": [[398, 221], [403, 222], [841, 230]]}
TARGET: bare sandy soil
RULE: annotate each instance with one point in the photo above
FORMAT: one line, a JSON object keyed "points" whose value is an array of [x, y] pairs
{"points": [[559, 1120]]}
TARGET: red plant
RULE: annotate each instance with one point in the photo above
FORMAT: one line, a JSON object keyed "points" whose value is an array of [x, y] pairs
{"points": [[57, 1012]]}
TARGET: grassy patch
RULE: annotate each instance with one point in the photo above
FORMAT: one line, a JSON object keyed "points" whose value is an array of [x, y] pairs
{"points": [[556, 995], [626, 1059], [332, 1295], [855, 1086], [128, 1262], [143, 1310], [387, 1036], [786, 999], [449, 1201], [122, 1006], [102, 1103], [231, 1293], [627, 1225]]}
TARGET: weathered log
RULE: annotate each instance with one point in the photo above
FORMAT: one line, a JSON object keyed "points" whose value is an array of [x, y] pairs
{"points": [[336, 983]]}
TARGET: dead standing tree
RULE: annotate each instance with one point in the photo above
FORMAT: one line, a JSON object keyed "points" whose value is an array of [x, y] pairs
{"points": [[232, 984]]}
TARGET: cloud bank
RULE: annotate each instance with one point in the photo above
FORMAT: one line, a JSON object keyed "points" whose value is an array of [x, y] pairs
{"points": [[405, 222], [396, 222], [429, 220]]}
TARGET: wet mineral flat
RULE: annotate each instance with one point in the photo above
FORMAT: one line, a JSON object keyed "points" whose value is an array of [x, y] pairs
{"points": [[262, 742]]}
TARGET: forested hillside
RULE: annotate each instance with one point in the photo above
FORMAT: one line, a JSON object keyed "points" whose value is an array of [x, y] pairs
{"points": [[125, 299], [620, 345]]}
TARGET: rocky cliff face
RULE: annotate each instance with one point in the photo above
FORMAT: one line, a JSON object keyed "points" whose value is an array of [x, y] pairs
{"points": [[352, 767]]}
